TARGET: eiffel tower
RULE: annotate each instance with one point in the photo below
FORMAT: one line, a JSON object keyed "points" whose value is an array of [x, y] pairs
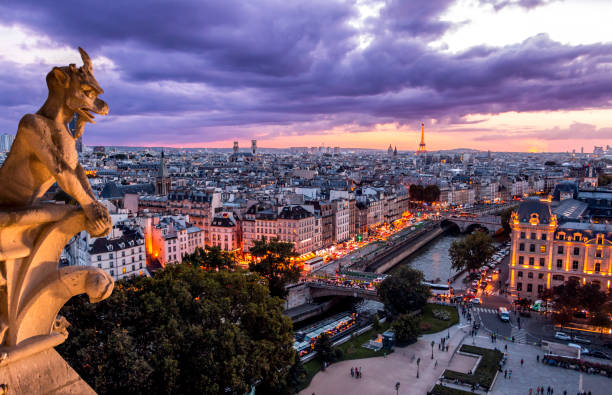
{"points": [[422, 149]]}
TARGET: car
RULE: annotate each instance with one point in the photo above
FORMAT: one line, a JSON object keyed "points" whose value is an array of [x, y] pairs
{"points": [[599, 354], [496, 271], [475, 283], [582, 340], [476, 301], [489, 278], [562, 336]]}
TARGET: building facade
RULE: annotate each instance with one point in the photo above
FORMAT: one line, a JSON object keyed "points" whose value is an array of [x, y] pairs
{"points": [[546, 253]]}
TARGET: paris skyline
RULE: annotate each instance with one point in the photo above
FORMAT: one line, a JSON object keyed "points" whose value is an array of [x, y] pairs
{"points": [[505, 75]]}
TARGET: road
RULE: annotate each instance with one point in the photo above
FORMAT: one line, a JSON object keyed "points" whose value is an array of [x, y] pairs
{"points": [[532, 329]]}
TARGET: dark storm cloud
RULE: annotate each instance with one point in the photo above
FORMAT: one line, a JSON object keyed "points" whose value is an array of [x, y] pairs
{"points": [[202, 71]]}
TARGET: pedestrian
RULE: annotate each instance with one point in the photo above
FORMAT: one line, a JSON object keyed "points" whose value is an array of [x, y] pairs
{"points": [[530, 390], [436, 364], [447, 348], [510, 374], [506, 373], [506, 347], [538, 358], [352, 372], [552, 391], [521, 362]]}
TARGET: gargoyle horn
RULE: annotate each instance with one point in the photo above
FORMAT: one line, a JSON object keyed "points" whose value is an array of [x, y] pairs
{"points": [[87, 65]]}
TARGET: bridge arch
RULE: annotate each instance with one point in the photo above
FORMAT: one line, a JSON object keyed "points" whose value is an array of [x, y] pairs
{"points": [[476, 226], [450, 225]]}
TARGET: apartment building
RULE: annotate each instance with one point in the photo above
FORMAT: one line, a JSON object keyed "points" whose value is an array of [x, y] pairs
{"points": [[547, 253], [121, 254]]}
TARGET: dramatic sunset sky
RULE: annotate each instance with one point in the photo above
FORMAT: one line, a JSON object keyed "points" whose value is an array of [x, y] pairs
{"points": [[505, 75]]}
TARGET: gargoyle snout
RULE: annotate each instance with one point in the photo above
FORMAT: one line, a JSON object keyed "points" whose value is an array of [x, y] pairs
{"points": [[99, 286], [100, 107]]}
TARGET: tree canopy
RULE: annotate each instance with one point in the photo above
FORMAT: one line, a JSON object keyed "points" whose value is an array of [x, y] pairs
{"points": [[403, 292], [210, 258], [505, 219], [406, 329], [274, 263], [429, 193], [183, 331], [471, 252], [571, 296]]}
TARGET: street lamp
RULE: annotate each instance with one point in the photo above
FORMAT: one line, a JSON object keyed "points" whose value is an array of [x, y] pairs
{"points": [[418, 363], [432, 344]]}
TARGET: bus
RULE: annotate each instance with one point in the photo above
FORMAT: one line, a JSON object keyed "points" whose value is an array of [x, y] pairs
{"points": [[313, 264], [444, 290], [504, 315]]}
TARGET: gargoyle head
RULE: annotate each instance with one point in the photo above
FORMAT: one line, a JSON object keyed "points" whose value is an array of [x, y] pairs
{"points": [[78, 89]]}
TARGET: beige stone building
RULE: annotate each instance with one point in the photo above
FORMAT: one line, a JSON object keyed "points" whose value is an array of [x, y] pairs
{"points": [[546, 253]]}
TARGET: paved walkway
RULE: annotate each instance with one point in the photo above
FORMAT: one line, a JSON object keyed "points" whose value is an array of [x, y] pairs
{"points": [[381, 374]]}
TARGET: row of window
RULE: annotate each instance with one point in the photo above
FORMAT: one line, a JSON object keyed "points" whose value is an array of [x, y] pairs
{"points": [[112, 271], [110, 256], [533, 236], [559, 263], [519, 287]]}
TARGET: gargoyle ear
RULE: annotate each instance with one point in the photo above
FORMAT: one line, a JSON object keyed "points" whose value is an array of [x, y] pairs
{"points": [[61, 77], [86, 60]]}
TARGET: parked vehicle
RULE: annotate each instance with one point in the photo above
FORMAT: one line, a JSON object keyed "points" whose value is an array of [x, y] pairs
{"points": [[582, 340], [476, 301], [503, 314], [562, 336], [599, 354]]}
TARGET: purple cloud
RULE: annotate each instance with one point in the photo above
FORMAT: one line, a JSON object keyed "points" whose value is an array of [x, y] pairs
{"points": [[584, 131], [202, 72]]}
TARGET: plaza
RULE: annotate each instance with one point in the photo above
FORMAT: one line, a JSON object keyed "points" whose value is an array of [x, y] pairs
{"points": [[379, 375]]}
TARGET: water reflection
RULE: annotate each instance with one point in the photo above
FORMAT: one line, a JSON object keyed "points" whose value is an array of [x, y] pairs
{"points": [[433, 260]]}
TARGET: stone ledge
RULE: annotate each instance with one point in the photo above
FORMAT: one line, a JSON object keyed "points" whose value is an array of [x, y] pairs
{"points": [[45, 373]]}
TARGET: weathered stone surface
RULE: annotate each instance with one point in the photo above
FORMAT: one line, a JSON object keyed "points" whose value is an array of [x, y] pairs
{"points": [[43, 373], [32, 235]]}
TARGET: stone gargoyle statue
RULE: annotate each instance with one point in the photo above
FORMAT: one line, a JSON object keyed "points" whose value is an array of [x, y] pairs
{"points": [[32, 233]]}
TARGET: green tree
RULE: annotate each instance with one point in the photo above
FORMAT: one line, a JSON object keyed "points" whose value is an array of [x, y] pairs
{"points": [[416, 192], [210, 258], [375, 323], [183, 331], [431, 193], [471, 252], [324, 348], [406, 329], [274, 263], [601, 319], [403, 292], [505, 219], [603, 179], [591, 298]]}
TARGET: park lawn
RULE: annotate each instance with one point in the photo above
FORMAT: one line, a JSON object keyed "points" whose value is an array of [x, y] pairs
{"points": [[352, 349], [435, 324]]}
